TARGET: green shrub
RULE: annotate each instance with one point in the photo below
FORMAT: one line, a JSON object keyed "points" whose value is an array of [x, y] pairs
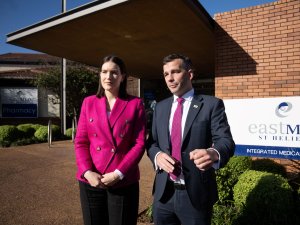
{"points": [[149, 213], [24, 141], [228, 176], [36, 126], [55, 131], [69, 133], [27, 130], [268, 165], [4, 144], [225, 214], [8, 134], [42, 133], [267, 199]]}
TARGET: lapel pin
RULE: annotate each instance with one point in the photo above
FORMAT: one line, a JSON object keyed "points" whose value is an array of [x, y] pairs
{"points": [[195, 106]]}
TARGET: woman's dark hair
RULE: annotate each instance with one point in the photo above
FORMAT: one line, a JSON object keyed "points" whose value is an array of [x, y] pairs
{"points": [[187, 62], [123, 85]]}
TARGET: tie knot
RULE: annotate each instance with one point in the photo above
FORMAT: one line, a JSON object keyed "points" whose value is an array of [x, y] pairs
{"points": [[180, 100]]}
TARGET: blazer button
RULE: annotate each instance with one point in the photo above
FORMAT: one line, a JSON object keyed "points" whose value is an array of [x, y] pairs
{"points": [[121, 135], [113, 150], [91, 119], [98, 148], [94, 134]]}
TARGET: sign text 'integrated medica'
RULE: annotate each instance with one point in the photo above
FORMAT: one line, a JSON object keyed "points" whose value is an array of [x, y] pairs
{"points": [[19, 102], [265, 127]]}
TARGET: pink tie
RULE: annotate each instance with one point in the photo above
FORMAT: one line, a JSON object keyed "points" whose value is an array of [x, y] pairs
{"points": [[176, 138]]}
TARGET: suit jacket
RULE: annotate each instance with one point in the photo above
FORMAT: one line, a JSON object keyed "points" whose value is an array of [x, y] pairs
{"points": [[206, 125], [104, 144]]}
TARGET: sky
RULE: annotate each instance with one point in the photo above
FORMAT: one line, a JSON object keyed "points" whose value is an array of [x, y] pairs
{"points": [[17, 14]]}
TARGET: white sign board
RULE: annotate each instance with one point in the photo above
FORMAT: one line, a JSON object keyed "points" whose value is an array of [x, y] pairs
{"points": [[265, 127]]}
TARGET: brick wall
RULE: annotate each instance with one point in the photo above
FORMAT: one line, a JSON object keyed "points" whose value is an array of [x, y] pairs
{"points": [[258, 51], [258, 54]]}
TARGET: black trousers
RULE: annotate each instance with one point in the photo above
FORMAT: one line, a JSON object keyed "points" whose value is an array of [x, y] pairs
{"points": [[175, 208], [109, 206]]}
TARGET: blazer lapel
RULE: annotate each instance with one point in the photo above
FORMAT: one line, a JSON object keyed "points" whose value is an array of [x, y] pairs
{"points": [[166, 118], [117, 110], [104, 124], [194, 109]]}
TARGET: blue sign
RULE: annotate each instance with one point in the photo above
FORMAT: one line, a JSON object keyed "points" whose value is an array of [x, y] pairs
{"points": [[19, 110], [268, 151]]}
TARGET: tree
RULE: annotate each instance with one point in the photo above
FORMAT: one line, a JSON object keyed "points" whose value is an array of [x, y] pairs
{"points": [[81, 81]]}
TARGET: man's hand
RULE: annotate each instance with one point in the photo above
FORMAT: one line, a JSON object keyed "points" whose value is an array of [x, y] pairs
{"points": [[94, 179], [109, 179], [203, 158], [165, 162]]}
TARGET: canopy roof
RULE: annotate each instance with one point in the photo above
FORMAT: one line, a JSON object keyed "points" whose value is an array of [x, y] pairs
{"points": [[141, 32]]}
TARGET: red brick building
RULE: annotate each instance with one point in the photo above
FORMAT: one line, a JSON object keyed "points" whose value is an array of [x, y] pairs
{"points": [[258, 53]]}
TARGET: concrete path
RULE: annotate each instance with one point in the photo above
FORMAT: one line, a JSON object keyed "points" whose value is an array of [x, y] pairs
{"points": [[38, 185]]}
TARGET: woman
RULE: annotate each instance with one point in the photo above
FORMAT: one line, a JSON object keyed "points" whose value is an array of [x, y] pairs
{"points": [[109, 144]]}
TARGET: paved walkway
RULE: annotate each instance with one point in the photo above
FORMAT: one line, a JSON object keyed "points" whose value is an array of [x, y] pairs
{"points": [[38, 185]]}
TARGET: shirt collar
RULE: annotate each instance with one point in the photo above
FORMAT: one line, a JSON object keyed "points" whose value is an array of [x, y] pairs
{"points": [[188, 96]]}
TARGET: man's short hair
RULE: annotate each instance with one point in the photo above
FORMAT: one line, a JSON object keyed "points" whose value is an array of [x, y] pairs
{"points": [[187, 62]]}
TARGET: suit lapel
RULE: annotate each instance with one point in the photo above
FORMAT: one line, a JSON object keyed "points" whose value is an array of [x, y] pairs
{"points": [[166, 119], [194, 109], [117, 110], [104, 123]]}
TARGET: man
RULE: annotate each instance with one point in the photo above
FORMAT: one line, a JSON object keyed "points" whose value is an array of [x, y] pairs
{"points": [[190, 139]]}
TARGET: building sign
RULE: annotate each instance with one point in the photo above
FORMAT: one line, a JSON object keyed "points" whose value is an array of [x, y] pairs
{"points": [[19, 102], [265, 127]]}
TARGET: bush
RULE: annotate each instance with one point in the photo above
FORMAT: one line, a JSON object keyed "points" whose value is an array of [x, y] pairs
{"points": [[228, 176], [268, 165], [69, 133], [24, 141], [27, 130], [55, 131], [42, 133], [8, 134], [225, 214], [267, 199], [36, 126]]}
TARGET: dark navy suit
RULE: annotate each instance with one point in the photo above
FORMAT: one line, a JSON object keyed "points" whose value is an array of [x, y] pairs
{"points": [[206, 126]]}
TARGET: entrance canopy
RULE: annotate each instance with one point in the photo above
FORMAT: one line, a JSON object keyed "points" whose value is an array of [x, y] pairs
{"points": [[141, 32]]}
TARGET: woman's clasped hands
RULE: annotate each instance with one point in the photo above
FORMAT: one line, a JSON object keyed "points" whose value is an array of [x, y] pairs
{"points": [[101, 181]]}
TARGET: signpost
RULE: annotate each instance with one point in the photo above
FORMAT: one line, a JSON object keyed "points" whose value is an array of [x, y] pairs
{"points": [[265, 127]]}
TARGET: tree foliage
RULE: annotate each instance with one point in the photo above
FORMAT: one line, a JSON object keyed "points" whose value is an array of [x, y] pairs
{"points": [[81, 81]]}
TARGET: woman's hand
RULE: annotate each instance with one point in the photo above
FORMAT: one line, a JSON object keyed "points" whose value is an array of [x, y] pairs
{"points": [[94, 179], [109, 179]]}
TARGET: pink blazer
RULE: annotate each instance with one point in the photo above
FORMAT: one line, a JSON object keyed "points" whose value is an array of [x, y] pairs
{"points": [[104, 144]]}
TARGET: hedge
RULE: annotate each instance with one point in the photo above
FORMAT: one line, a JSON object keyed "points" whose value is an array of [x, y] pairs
{"points": [[267, 199], [8, 134], [228, 176]]}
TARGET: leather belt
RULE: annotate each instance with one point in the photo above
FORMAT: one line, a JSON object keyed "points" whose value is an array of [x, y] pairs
{"points": [[178, 186]]}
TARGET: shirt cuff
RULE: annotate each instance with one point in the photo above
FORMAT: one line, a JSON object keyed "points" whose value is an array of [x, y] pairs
{"points": [[120, 174], [155, 163], [216, 164]]}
